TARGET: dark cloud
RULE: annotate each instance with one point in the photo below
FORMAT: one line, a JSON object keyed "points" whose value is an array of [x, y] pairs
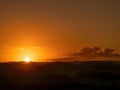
{"points": [[89, 52]]}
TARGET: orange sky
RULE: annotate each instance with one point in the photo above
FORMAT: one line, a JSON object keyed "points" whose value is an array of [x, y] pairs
{"points": [[57, 27]]}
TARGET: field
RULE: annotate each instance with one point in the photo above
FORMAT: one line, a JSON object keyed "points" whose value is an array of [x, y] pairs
{"points": [[87, 75]]}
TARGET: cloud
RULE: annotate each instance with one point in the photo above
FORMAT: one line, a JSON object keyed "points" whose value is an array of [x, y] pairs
{"points": [[36, 47], [19, 48], [95, 52], [30, 47]]}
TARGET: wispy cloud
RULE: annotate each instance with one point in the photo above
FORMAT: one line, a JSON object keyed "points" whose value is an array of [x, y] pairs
{"points": [[36, 47], [20, 48]]}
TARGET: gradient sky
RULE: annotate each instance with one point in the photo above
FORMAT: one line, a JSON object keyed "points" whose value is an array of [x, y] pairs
{"points": [[51, 28]]}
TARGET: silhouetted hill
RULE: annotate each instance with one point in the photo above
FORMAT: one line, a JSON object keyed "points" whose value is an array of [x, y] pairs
{"points": [[88, 75]]}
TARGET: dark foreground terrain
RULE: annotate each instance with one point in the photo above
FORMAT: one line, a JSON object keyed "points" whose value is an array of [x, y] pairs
{"points": [[60, 76]]}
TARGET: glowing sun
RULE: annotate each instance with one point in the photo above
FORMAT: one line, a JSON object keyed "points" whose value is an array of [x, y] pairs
{"points": [[27, 59]]}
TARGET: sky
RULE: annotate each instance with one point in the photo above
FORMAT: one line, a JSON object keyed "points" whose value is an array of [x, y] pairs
{"points": [[44, 29]]}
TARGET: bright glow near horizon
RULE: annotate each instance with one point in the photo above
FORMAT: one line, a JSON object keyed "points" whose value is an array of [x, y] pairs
{"points": [[27, 59]]}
